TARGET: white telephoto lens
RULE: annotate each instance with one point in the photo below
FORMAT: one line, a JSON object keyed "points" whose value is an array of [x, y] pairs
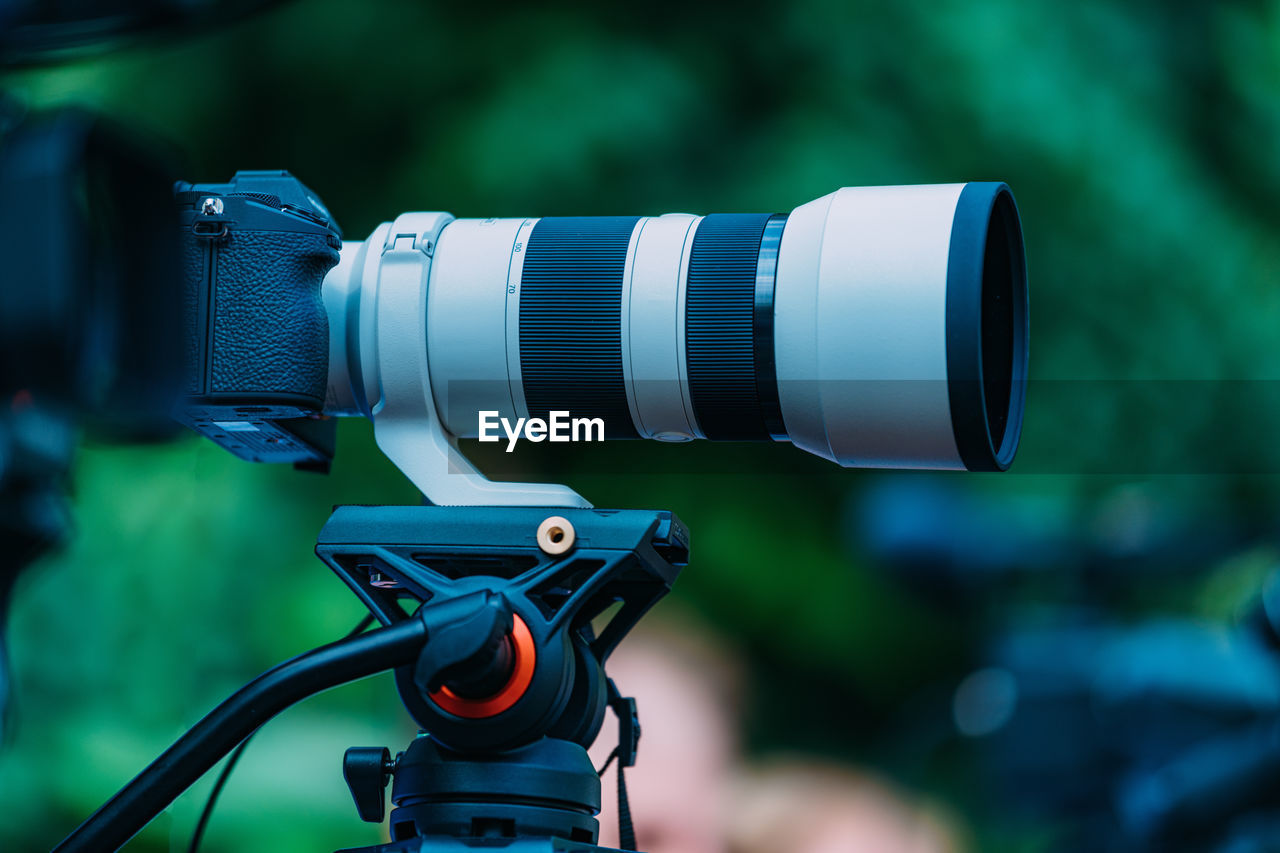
{"points": [[875, 326]]}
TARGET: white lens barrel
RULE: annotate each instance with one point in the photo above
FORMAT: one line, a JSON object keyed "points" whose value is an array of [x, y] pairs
{"points": [[468, 352], [653, 329], [876, 326]]}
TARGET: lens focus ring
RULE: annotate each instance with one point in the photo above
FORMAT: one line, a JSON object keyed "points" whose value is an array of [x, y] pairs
{"points": [[722, 327], [571, 319]]}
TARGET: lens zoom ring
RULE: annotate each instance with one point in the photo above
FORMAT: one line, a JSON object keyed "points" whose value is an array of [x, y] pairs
{"points": [[719, 336], [571, 319]]}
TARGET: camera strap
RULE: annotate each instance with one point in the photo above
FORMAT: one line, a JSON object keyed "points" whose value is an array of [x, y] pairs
{"points": [[624, 708]]}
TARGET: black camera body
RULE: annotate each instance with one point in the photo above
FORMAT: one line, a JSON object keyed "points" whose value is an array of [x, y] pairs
{"points": [[255, 252]]}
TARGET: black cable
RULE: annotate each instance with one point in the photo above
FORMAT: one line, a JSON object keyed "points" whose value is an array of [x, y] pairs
{"points": [[198, 835], [209, 740]]}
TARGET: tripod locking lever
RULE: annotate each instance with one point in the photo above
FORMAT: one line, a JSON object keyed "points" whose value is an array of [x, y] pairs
{"points": [[367, 770], [468, 648]]}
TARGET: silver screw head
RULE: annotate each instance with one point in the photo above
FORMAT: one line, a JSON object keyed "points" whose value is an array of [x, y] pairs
{"points": [[211, 207], [378, 579]]}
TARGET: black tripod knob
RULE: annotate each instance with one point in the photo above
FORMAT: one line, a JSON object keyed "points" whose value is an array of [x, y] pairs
{"points": [[367, 770], [468, 648]]}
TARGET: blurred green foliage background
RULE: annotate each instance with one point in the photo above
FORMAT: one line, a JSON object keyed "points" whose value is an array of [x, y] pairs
{"points": [[1139, 137]]}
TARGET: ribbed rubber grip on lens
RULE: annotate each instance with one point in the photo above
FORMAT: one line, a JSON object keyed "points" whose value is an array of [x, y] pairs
{"points": [[571, 319], [720, 314]]}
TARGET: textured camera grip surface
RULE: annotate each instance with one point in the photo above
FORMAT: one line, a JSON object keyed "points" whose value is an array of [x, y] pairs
{"points": [[270, 334], [195, 262]]}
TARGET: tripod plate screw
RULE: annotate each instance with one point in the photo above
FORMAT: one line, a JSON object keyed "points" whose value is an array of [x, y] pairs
{"points": [[556, 535]]}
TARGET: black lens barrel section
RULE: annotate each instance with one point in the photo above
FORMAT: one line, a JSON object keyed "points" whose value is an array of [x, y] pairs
{"points": [[571, 323], [571, 319], [721, 321]]}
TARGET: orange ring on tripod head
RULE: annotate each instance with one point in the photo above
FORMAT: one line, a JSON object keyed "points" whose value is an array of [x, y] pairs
{"points": [[525, 654]]}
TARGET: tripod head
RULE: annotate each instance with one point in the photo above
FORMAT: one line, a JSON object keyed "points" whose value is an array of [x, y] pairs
{"points": [[551, 582], [513, 689]]}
